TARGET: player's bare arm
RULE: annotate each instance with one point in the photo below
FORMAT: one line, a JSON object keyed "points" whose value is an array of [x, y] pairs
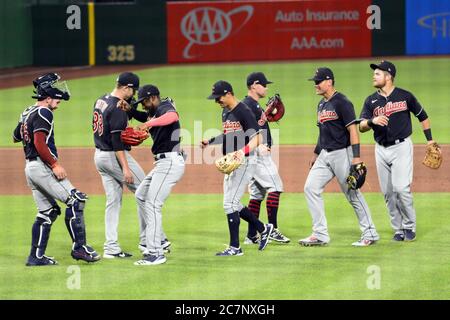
{"points": [[254, 142], [214, 140], [366, 125]]}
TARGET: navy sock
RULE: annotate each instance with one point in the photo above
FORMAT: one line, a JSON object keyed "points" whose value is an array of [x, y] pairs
{"points": [[233, 225], [254, 206], [248, 216], [273, 199]]}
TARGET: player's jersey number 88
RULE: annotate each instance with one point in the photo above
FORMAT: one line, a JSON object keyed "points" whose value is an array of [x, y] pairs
{"points": [[97, 123]]}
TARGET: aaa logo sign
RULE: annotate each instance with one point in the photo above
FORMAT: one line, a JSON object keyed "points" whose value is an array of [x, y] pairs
{"points": [[208, 25]]}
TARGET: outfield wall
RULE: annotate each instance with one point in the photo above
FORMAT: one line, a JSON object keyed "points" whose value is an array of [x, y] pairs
{"points": [[57, 33], [16, 48]]}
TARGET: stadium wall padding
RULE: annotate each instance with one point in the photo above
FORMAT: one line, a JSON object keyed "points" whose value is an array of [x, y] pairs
{"points": [[15, 34], [390, 39], [133, 34], [139, 33], [125, 33], [53, 42]]}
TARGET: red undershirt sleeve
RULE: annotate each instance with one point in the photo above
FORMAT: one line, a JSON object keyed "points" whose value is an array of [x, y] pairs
{"points": [[164, 120], [42, 148]]}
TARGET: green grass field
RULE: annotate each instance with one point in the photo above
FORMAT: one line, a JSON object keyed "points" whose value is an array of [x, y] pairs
{"points": [[189, 85], [196, 224], [197, 228]]}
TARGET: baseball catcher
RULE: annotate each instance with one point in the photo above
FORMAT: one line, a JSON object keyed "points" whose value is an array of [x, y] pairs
{"points": [[230, 162], [357, 176], [274, 108], [133, 137], [433, 156]]}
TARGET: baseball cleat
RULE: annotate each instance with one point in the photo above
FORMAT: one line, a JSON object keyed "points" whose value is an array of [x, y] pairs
{"points": [[312, 241], [44, 261], [398, 237], [265, 236], [151, 260], [251, 240], [363, 243], [117, 255], [85, 253], [277, 236], [410, 235], [230, 251]]}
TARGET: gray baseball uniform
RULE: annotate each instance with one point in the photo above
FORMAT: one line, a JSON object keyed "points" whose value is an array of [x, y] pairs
{"points": [[266, 179], [334, 160], [394, 153], [239, 125], [239, 130], [36, 131], [108, 122], [157, 185]]}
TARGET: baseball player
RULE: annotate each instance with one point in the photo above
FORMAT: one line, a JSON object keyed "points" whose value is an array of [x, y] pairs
{"points": [[164, 126], [113, 161], [46, 177], [336, 150], [266, 179], [387, 112], [241, 132]]}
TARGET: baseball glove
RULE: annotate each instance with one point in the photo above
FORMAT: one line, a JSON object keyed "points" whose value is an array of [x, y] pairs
{"points": [[123, 105], [357, 176], [433, 156], [133, 137], [274, 108], [230, 162]]}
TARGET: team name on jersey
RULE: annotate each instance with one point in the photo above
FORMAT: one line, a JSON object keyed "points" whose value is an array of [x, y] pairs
{"points": [[326, 115], [390, 108], [230, 126]]}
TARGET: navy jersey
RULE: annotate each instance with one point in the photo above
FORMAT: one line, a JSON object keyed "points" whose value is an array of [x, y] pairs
{"points": [[32, 120], [165, 138], [397, 107], [333, 118], [260, 118], [239, 126], [108, 119]]}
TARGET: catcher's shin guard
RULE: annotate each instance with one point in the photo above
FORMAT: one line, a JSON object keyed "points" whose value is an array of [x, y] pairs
{"points": [[75, 219], [40, 232]]}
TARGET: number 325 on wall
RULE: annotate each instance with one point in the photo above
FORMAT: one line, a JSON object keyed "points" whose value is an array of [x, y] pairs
{"points": [[121, 53]]}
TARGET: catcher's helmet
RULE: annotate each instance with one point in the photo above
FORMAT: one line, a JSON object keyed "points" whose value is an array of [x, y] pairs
{"points": [[49, 85]]}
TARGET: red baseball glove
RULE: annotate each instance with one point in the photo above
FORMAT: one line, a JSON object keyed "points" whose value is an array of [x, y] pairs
{"points": [[274, 108], [133, 137]]}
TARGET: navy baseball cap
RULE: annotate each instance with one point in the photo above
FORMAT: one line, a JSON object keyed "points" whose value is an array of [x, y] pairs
{"points": [[146, 92], [220, 88], [257, 78], [128, 79], [323, 73], [385, 66]]}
